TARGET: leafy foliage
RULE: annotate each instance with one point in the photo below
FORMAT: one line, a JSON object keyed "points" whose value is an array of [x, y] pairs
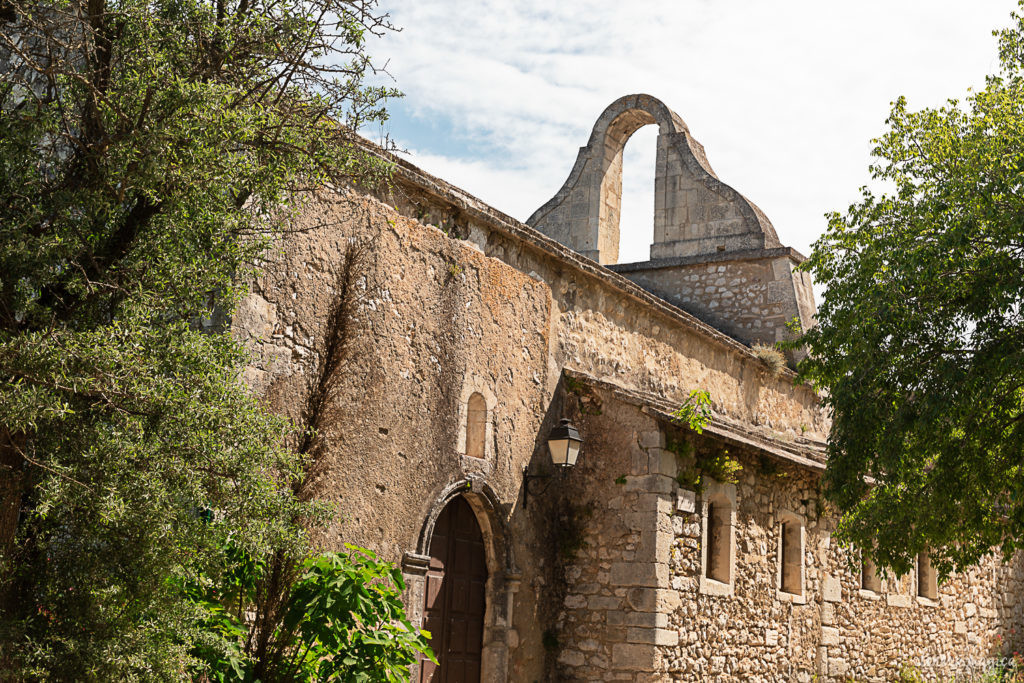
{"points": [[920, 341], [695, 413], [148, 149], [343, 621], [719, 465], [694, 464]]}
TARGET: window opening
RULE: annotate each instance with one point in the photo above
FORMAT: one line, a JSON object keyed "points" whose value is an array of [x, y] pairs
{"points": [[927, 583], [719, 539], [869, 579], [476, 425], [636, 210], [792, 558]]}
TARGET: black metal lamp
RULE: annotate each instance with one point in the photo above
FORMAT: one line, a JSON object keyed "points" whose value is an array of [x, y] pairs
{"points": [[564, 447], [564, 444]]}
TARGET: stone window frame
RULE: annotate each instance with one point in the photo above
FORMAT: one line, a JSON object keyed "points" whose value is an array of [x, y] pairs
{"points": [[925, 600], [868, 593], [475, 405], [717, 493], [783, 517], [901, 590], [476, 385]]}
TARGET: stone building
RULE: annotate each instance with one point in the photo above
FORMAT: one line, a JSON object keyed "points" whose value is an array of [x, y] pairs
{"points": [[465, 336]]}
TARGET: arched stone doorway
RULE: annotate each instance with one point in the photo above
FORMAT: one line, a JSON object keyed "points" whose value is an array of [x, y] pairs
{"points": [[455, 596], [501, 577]]}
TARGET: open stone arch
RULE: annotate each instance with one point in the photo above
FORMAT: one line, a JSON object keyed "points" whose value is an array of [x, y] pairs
{"points": [[502, 574], [694, 212]]}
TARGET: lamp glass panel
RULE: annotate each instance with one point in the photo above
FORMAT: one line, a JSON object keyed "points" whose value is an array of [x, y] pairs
{"points": [[559, 451], [572, 452]]}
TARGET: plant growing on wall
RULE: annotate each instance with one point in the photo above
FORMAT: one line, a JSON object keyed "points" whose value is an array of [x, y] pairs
{"points": [[770, 356], [695, 412], [918, 341], [694, 464], [147, 150]]}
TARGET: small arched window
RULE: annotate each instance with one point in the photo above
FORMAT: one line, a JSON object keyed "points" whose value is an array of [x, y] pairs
{"points": [[476, 425]]}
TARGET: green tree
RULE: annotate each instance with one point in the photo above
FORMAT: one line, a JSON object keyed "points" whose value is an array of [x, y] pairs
{"points": [[920, 337], [148, 148]]}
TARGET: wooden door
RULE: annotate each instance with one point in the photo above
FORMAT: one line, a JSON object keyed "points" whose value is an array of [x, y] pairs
{"points": [[454, 609]]}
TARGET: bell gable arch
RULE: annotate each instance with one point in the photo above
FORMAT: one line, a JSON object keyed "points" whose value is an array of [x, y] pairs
{"points": [[694, 212]]}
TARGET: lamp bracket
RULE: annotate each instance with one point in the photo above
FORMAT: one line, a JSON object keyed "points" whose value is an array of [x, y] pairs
{"points": [[527, 478]]}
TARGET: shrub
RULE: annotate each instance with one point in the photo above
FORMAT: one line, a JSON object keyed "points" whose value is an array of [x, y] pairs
{"points": [[341, 619], [770, 356]]}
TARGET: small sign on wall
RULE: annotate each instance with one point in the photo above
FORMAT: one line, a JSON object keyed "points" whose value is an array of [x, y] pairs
{"points": [[686, 501]]}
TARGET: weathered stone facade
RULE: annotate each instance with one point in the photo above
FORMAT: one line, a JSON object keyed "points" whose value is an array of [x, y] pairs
{"points": [[749, 295], [715, 254], [450, 313], [639, 599]]}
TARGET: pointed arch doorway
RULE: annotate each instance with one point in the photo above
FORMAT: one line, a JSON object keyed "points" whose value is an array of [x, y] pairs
{"points": [[455, 596]]}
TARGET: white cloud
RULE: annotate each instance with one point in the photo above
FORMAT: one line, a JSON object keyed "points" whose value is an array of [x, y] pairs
{"points": [[785, 95]]}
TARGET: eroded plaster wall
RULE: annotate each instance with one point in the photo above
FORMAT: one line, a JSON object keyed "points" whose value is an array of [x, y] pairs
{"points": [[429, 317]]}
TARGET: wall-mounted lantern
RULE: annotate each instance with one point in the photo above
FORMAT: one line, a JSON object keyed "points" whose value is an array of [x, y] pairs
{"points": [[564, 443]]}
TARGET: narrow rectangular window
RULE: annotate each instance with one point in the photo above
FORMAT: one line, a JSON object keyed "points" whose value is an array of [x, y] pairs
{"points": [[717, 545], [792, 558], [869, 579], [927, 580], [719, 537]]}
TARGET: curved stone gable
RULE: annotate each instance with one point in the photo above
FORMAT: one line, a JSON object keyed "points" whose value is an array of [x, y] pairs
{"points": [[695, 212]]}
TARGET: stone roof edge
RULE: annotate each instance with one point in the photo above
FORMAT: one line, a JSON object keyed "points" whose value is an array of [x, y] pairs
{"points": [[718, 257], [809, 454], [513, 228]]}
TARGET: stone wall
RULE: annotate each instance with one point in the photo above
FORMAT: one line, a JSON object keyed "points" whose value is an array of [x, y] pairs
{"points": [[446, 296], [430, 318], [593, 575], [715, 254], [617, 598], [639, 608], [838, 631], [750, 295], [610, 328]]}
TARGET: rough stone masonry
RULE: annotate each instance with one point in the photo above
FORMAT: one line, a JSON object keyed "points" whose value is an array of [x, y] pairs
{"points": [[467, 335]]}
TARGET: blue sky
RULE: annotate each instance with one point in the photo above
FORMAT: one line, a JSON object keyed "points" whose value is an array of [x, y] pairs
{"points": [[784, 95]]}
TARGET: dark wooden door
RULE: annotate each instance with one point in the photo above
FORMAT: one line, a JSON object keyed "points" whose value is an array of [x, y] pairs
{"points": [[454, 610]]}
